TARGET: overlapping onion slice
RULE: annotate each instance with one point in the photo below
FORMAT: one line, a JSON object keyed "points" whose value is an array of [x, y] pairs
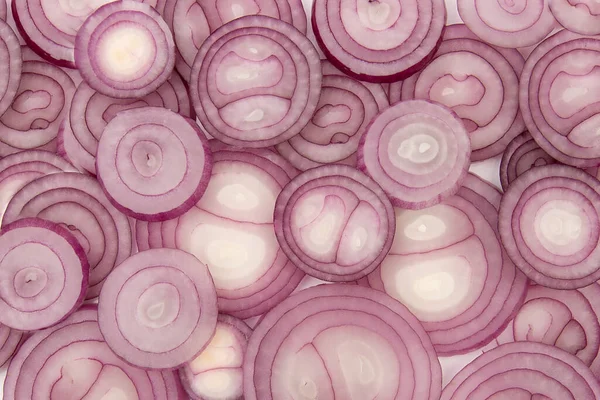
{"points": [[549, 224], [345, 108], [9, 342], [340, 342], [418, 151], [559, 99], [10, 66], [383, 41], [334, 223], [44, 274], [77, 202], [71, 360], [523, 371], [158, 309], [580, 16], [40, 104], [125, 49], [231, 231], [152, 163], [197, 19], [3, 11], [448, 267], [255, 82], [477, 81], [514, 23], [92, 111], [216, 373]]}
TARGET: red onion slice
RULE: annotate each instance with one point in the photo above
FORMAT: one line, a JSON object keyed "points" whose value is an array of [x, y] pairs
{"points": [[523, 371], [125, 49], [382, 41], [477, 81], [579, 16], [9, 342], [345, 108], [216, 373], [44, 272], [334, 223], [10, 68], [77, 202], [344, 339], [3, 10], [164, 295], [511, 24], [418, 151], [549, 224], [152, 163], [255, 82]]}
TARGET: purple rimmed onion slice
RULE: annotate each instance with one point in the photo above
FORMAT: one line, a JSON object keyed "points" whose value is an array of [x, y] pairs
{"points": [[340, 341], [345, 109], [153, 164], [334, 223], [255, 82], [418, 151], [10, 66], [125, 49], [550, 226], [579, 16], [231, 231], [44, 274], [477, 81], [158, 309], [77, 202], [216, 373], [522, 371], [379, 41]]}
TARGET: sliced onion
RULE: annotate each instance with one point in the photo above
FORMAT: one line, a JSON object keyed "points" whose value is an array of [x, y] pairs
{"points": [[44, 274], [125, 49], [523, 371], [558, 100], [334, 223], [477, 81], [216, 374], [382, 41], [521, 155], [163, 294], [508, 23], [580, 16], [9, 342], [11, 65], [345, 108], [156, 235], [255, 82], [152, 163], [418, 151], [340, 341], [77, 202], [3, 10], [550, 226], [195, 20], [231, 231]]}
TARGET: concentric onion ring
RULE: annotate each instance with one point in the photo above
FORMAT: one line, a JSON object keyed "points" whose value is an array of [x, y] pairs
{"points": [[152, 163], [10, 68], [9, 342], [165, 294], [579, 16]]}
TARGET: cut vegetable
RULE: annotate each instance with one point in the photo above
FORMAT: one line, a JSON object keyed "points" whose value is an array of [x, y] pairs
{"points": [[10, 339], [11, 65], [579, 16]]}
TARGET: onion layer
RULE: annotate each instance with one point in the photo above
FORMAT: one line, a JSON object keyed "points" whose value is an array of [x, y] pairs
{"points": [[10, 66], [9, 342], [579, 16]]}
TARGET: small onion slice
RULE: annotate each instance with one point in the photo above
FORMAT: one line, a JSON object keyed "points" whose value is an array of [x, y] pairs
{"points": [[334, 223], [340, 342], [44, 274], [125, 49], [10, 66], [345, 108], [524, 370], [418, 151], [255, 82], [379, 41], [9, 342], [579, 16], [216, 374], [152, 163], [550, 226], [164, 295]]}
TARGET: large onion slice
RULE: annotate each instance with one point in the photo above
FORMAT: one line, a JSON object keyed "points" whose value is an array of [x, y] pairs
{"points": [[523, 371], [255, 82], [381, 41], [152, 163], [10, 66], [125, 49], [44, 274], [334, 223], [550, 226], [418, 151], [580, 16], [158, 309]]}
